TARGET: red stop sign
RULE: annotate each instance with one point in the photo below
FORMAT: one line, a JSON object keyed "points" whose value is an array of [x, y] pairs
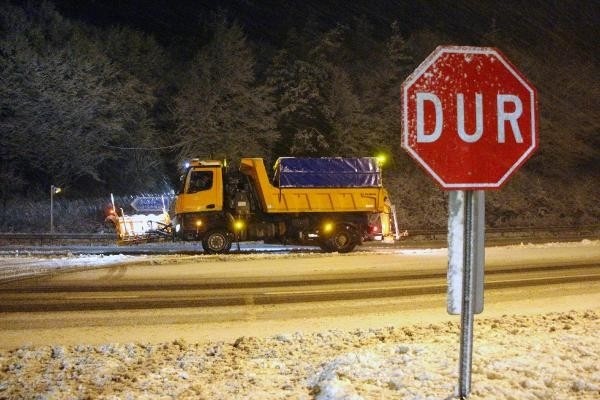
{"points": [[469, 117]]}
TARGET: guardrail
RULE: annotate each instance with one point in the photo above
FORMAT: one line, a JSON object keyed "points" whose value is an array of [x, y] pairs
{"points": [[57, 239], [416, 234]]}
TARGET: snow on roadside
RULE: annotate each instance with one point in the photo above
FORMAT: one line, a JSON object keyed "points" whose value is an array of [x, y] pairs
{"points": [[18, 267], [523, 245], [583, 242], [550, 356]]}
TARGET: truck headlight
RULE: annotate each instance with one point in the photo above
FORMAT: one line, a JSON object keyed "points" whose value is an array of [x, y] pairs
{"points": [[238, 225]]}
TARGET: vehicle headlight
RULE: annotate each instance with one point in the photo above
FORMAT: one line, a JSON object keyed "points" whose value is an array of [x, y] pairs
{"points": [[238, 225]]}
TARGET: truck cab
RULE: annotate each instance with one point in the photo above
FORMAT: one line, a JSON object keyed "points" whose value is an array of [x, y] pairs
{"points": [[201, 188], [198, 207]]}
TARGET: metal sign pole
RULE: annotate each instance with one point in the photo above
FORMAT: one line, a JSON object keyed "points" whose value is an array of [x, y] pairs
{"points": [[466, 316]]}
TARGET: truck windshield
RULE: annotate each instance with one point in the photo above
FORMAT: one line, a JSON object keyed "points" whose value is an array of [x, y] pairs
{"points": [[199, 181]]}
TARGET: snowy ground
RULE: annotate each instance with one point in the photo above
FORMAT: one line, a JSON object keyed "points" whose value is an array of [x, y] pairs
{"points": [[18, 266], [17, 262], [548, 355], [553, 356]]}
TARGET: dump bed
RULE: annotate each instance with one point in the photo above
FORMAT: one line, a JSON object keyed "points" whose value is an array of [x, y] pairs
{"points": [[314, 190], [329, 172]]}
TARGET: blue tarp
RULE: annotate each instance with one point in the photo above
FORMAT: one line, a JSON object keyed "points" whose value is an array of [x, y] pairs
{"points": [[327, 172]]}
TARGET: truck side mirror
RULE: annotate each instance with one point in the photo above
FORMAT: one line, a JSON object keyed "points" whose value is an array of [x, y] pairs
{"points": [[181, 184]]}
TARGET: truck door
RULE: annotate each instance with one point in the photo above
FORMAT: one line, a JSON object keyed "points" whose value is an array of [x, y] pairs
{"points": [[202, 191]]}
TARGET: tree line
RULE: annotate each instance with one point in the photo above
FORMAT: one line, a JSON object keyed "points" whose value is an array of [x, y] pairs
{"points": [[108, 109]]}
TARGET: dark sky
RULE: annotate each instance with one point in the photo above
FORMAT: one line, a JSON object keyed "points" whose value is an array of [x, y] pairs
{"points": [[262, 20], [529, 21]]}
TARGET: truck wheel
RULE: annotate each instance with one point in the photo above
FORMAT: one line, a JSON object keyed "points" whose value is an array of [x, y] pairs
{"points": [[343, 240], [217, 241]]}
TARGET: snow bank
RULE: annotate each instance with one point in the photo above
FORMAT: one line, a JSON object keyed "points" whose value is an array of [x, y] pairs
{"points": [[550, 356]]}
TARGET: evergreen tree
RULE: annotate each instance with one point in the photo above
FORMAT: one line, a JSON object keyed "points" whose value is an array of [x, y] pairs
{"points": [[298, 86], [221, 111], [65, 107]]}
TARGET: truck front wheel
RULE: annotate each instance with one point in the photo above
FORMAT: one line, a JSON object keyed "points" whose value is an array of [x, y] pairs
{"points": [[343, 240], [216, 241]]}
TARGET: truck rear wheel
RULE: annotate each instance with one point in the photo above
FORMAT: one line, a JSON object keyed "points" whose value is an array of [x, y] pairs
{"points": [[216, 241], [343, 240]]}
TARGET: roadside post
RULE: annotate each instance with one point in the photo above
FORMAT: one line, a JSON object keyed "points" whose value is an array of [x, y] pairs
{"points": [[53, 190], [470, 119]]}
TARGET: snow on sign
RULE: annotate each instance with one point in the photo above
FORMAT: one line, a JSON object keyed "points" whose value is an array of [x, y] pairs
{"points": [[469, 117], [149, 204]]}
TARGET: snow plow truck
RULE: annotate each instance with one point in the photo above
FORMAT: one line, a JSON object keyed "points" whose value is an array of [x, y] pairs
{"points": [[335, 203]]}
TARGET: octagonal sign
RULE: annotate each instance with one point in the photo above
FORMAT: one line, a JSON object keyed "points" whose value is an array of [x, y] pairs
{"points": [[469, 117]]}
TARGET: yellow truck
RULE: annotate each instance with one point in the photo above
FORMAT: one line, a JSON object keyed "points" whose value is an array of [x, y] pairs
{"points": [[335, 203]]}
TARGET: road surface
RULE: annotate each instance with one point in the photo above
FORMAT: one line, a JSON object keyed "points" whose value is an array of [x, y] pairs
{"points": [[217, 297]]}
